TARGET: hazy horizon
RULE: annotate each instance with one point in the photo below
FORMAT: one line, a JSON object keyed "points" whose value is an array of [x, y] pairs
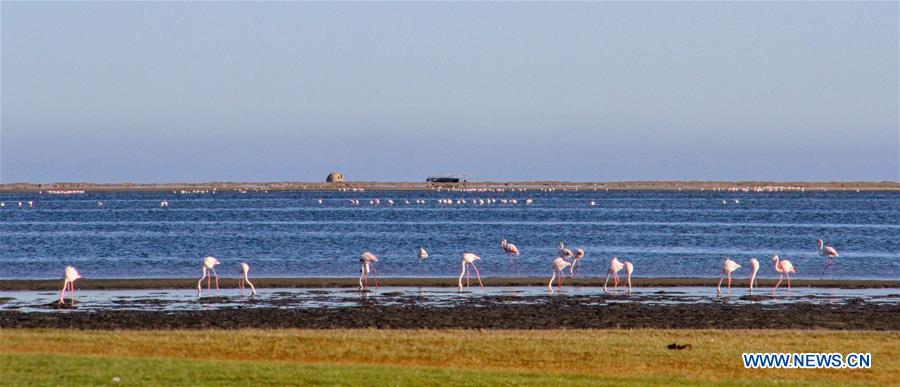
{"points": [[255, 92]]}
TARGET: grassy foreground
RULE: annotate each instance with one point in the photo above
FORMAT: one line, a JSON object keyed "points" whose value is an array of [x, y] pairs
{"points": [[423, 357]]}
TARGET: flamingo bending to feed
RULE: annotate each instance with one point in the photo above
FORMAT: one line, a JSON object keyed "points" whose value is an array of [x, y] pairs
{"points": [[469, 259], [784, 268], [829, 253], [754, 267], [727, 267], [559, 264], [579, 253], [245, 269], [209, 264], [614, 267], [367, 263], [69, 283]]}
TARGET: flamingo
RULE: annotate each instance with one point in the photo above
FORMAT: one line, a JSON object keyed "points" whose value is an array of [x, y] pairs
{"points": [[245, 269], [629, 268], [829, 253], [367, 262], [209, 263], [727, 267], [559, 264], [579, 253], [614, 267], [784, 268], [511, 250], [469, 259], [423, 255], [754, 267], [69, 283]]}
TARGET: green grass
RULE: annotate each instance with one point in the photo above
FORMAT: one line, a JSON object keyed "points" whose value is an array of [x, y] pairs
{"points": [[421, 357]]}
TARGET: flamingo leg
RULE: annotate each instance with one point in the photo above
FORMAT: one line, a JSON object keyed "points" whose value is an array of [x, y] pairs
{"points": [[375, 276], [615, 280], [780, 277], [629, 283], [468, 277], [477, 274], [72, 288], [362, 272], [63, 292], [729, 281], [789, 280], [719, 287], [606, 283], [200, 283], [550, 285], [572, 269], [559, 281], [217, 279], [461, 274]]}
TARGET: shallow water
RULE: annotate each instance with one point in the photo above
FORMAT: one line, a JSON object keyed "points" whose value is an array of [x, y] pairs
{"points": [[289, 234], [184, 299]]}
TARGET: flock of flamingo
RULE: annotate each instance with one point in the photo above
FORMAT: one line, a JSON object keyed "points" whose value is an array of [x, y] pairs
{"points": [[565, 259]]}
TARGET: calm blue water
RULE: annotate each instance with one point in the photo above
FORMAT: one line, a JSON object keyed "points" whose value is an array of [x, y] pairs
{"points": [[289, 234]]}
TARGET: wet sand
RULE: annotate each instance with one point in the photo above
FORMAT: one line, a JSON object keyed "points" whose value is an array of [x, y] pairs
{"points": [[439, 308], [352, 282], [403, 186]]}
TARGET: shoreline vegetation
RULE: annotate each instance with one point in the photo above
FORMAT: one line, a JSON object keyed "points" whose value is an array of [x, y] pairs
{"points": [[228, 282], [736, 186]]}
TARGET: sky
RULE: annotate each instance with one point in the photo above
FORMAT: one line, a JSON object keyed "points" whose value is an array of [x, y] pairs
{"points": [[289, 91]]}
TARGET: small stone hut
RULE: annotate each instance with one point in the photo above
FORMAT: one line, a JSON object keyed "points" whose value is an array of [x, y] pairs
{"points": [[335, 177]]}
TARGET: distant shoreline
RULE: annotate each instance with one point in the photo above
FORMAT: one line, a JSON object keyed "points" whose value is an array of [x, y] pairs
{"points": [[736, 186], [347, 282]]}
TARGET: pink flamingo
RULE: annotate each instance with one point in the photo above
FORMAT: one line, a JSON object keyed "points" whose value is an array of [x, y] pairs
{"points": [[367, 262], [829, 253], [727, 267], [209, 264], [511, 250], [614, 267], [579, 253], [69, 283], [245, 269], [754, 267], [559, 264], [469, 259], [784, 268]]}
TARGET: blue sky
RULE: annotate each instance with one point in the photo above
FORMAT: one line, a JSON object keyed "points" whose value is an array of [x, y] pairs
{"points": [[159, 92]]}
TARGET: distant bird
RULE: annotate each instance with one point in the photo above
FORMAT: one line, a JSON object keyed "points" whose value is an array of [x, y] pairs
{"points": [[209, 264], [727, 267], [423, 254], [579, 253], [512, 251], [754, 267], [69, 283], [629, 268], [784, 268], [829, 253], [320, 201], [593, 203], [528, 202], [20, 204], [559, 264], [367, 263], [614, 267], [164, 203], [469, 259], [2, 204], [30, 204], [245, 269]]}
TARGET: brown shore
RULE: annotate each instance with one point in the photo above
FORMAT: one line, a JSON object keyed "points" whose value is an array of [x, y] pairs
{"points": [[189, 283], [413, 186]]}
